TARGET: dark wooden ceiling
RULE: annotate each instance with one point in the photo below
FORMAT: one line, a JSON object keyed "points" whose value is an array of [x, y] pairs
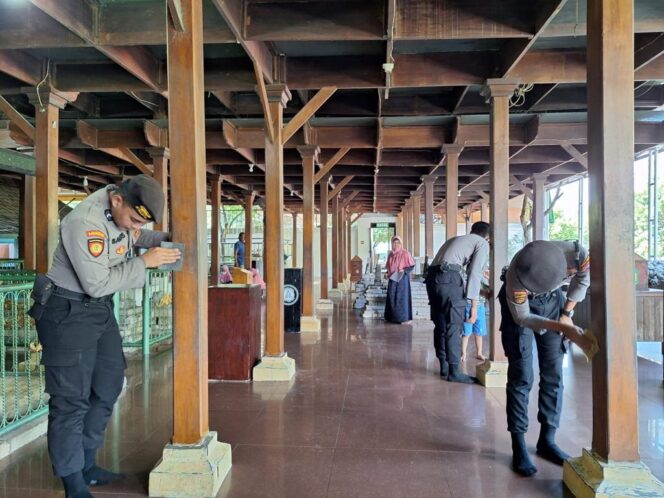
{"points": [[112, 53]]}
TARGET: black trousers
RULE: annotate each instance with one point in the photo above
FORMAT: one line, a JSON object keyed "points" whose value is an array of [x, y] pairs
{"points": [[445, 290], [518, 345], [84, 372]]}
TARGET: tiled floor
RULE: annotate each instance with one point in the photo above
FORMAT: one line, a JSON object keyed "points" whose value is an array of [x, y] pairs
{"points": [[366, 416]]}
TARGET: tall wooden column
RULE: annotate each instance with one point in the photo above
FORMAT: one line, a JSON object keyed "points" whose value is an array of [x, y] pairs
{"points": [[417, 209], [278, 96], [408, 224], [324, 220], [429, 181], [26, 243], [468, 217], [248, 228], [192, 441], [294, 241], [493, 373], [400, 225], [615, 443], [215, 253], [341, 240], [538, 206], [308, 154], [349, 254], [452, 153], [335, 242], [160, 157], [484, 211], [47, 125]]}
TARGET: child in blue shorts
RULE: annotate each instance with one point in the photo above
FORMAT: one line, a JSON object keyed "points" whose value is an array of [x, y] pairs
{"points": [[478, 329]]}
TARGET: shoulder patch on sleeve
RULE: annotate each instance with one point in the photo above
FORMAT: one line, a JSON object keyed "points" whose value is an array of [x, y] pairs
{"points": [[585, 265], [520, 296], [95, 246], [95, 234]]}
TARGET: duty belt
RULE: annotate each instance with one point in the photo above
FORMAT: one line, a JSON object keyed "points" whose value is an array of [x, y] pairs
{"points": [[450, 267], [79, 296]]}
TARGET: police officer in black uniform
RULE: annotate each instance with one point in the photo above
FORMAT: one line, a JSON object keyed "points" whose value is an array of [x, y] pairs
{"points": [[73, 310], [534, 307]]}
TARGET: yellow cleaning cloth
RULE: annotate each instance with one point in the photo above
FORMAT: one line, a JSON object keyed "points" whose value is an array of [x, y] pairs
{"points": [[594, 349]]}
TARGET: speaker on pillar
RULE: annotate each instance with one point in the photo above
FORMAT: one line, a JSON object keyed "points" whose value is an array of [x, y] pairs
{"points": [[292, 299]]}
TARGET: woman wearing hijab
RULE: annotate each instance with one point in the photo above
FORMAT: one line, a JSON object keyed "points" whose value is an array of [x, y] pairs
{"points": [[225, 276], [399, 307]]}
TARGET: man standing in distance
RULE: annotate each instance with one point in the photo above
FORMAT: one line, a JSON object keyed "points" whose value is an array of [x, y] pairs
{"points": [[238, 251], [455, 276], [82, 348]]}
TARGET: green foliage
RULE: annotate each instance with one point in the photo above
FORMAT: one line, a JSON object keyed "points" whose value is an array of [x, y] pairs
{"points": [[563, 227]]}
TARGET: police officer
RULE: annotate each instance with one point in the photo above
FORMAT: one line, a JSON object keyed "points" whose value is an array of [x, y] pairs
{"points": [[454, 276], [533, 306], [73, 310]]}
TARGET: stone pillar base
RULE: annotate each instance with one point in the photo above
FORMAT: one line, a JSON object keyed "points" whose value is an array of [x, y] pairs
{"points": [[325, 305], [590, 476], [191, 470], [492, 373], [309, 324], [274, 368], [335, 293]]}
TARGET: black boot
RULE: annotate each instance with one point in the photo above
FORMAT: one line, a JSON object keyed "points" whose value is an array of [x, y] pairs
{"points": [[521, 463], [444, 367], [96, 476], [75, 486], [547, 447], [456, 375]]}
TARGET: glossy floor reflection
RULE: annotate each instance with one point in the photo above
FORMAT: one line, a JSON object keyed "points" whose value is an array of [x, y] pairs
{"points": [[366, 416]]}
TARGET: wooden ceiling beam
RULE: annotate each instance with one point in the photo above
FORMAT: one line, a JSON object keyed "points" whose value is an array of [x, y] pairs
{"points": [[17, 118], [330, 164], [22, 66], [307, 112], [340, 186], [233, 13], [79, 17], [647, 48], [515, 49]]}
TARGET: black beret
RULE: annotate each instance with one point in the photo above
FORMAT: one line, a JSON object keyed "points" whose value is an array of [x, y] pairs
{"points": [[541, 266], [145, 195]]}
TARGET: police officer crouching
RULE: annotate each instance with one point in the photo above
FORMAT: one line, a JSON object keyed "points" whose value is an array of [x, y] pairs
{"points": [[73, 309], [534, 307]]}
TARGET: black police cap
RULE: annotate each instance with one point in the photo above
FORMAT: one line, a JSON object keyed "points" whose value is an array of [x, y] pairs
{"points": [[145, 195], [541, 266]]}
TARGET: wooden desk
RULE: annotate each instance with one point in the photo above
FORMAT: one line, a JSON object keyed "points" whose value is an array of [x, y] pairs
{"points": [[234, 331]]}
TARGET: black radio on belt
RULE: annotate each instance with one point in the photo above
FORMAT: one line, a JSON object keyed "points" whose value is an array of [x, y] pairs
{"points": [[42, 289]]}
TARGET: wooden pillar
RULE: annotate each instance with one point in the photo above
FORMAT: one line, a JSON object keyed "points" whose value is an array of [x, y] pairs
{"points": [[452, 152], [484, 211], [615, 442], [408, 224], [499, 92], [341, 240], [468, 217], [160, 157], [324, 220], [400, 225], [26, 243], [417, 209], [215, 253], [428, 216], [278, 96], [335, 242], [248, 228], [538, 206], [47, 125], [294, 241], [349, 255], [189, 225], [308, 154]]}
